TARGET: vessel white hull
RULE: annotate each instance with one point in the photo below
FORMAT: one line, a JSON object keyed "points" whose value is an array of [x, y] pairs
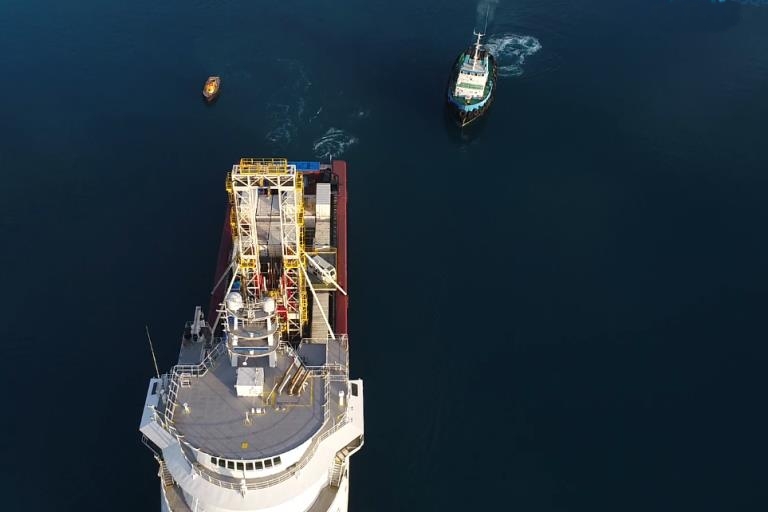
{"points": [[339, 504], [318, 485], [259, 413]]}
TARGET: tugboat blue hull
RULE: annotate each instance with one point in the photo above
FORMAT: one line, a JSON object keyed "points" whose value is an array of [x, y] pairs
{"points": [[460, 111]]}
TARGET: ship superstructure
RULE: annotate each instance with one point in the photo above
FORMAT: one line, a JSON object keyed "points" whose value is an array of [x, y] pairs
{"points": [[259, 413], [472, 83]]}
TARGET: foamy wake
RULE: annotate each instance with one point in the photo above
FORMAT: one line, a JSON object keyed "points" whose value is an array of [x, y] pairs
{"points": [[511, 50], [332, 144]]}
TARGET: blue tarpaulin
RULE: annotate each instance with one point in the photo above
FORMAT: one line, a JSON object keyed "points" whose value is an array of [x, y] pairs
{"points": [[306, 166]]}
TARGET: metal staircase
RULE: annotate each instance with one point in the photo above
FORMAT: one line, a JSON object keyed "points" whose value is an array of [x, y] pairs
{"points": [[164, 474], [337, 472], [339, 462]]}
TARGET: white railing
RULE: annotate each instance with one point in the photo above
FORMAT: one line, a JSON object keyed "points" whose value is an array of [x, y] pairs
{"points": [[333, 367], [327, 397], [329, 371], [270, 481], [198, 370], [192, 370]]}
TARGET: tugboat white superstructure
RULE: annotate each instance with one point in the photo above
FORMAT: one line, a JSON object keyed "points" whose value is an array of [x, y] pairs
{"points": [[472, 83], [255, 416]]}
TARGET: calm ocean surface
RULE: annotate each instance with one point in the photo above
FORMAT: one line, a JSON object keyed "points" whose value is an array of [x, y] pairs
{"points": [[563, 311]]}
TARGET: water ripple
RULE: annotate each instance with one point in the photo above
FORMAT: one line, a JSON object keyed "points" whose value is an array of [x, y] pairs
{"points": [[333, 143], [511, 50]]}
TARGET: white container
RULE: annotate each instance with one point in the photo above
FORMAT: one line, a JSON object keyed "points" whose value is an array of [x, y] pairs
{"points": [[323, 205], [250, 381]]}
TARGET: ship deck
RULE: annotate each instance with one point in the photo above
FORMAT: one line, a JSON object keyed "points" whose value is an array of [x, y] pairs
{"points": [[207, 413], [216, 422]]}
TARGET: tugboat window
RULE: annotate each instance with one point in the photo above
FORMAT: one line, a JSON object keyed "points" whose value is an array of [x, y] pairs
{"points": [[249, 466], [222, 463], [259, 464], [230, 464], [240, 466], [276, 460], [267, 463]]}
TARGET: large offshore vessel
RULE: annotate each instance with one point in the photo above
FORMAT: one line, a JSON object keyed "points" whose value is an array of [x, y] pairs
{"points": [[472, 83], [259, 413]]}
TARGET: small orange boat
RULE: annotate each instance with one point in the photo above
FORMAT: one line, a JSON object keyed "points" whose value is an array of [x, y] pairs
{"points": [[211, 88]]}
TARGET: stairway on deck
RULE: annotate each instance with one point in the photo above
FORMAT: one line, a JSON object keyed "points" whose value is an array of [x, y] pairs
{"points": [[319, 328]]}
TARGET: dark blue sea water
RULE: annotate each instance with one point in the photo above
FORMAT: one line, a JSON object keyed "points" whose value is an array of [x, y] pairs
{"points": [[564, 310]]}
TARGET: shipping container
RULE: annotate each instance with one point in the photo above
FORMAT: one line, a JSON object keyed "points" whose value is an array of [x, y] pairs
{"points": [[323, 201]]}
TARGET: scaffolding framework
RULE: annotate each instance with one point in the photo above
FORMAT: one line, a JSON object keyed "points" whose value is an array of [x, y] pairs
{"points": [[249, 180]]}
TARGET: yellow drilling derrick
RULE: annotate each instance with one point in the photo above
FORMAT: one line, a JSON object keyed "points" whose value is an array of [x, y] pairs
{"points": [[250, 185]]}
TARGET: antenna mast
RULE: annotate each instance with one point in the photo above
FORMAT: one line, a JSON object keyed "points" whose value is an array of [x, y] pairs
{"points": [[151, 349], [479, 35], [477, 48]]}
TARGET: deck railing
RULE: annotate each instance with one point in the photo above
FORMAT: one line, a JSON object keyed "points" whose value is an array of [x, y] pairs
{"points": [[268, 481], [191, 370], [330, 371]]}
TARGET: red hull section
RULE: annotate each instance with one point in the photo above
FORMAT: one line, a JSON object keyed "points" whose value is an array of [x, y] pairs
{"points": [[225, 249], [342, 301]]}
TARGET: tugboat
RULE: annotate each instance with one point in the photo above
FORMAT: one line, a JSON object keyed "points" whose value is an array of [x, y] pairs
{"points": [[472, 83], [211, 88]]}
